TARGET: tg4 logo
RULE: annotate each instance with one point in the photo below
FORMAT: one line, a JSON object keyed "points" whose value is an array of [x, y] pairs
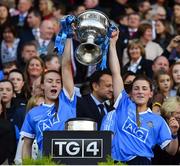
{"points": [[77, 148]]}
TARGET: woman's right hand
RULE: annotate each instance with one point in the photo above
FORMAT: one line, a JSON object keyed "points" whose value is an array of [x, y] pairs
{"points": [[114, 37]]}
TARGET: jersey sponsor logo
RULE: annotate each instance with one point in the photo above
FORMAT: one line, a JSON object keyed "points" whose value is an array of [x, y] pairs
{"points": [[130, 127], [47, 123]]}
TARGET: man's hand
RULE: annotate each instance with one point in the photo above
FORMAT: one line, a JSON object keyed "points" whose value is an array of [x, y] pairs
{"points": [[174, 43]]}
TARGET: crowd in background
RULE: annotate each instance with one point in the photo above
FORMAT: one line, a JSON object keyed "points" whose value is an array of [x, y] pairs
{"points": [[148, 43]]}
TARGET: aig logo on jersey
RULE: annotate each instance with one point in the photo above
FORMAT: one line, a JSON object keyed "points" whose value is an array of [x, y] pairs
{"points": [[77, 148]]}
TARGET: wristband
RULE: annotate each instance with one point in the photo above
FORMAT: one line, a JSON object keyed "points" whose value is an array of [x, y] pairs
{"points": [[174, 136]]}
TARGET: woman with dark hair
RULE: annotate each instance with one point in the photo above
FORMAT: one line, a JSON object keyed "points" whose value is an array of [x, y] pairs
{"points": [[138, 62], [59, 105], [136, 128], [163, 33], [9, 45], [4, 18], [13, 115], [7, 137], [17, 78]]}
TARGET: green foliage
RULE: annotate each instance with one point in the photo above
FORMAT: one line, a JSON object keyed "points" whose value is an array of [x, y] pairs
{"points": [[48, 161], [40, 161], [110, 161]]}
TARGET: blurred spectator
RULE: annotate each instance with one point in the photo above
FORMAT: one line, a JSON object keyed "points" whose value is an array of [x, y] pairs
{"points": [[138, 63], [163, 33], [20, 21], [59, 11], [56, 25], [92, 4], [14, 114], [4, 18], [10, 3], [164, 84], [165, 5], [33, 30], [9, 45], [128, 33], [33, 71], [118, 8], [143, 7], [7, 67], [176, 18], [175, 72], [160, 63], [17, 78], [170, 109], [52, 62], [46, 8], [78, 9], [45, 43], [133, 24], [172, 51], [152, 49], [28, 51], [7, 137]]}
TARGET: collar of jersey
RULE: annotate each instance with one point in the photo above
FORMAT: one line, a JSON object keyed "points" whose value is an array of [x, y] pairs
{"points": [[48, 105], [148, 110]]}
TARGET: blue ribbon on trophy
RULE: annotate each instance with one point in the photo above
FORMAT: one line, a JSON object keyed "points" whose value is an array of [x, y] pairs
{"points": [[105, 46], [65, 32]]}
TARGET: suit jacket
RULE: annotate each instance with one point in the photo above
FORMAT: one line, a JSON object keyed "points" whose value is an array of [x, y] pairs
{"points": [[87, 108], [50, 46], [20, 29], [27, 36], [144, 67]]}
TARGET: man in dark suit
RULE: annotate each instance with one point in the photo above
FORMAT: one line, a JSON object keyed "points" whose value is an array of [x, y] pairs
{"points": [[20, 21], [45, 42], [94, 105], [33, 30]]}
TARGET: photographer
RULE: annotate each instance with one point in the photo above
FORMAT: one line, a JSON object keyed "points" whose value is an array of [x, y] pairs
{"points": [[172, 52]]}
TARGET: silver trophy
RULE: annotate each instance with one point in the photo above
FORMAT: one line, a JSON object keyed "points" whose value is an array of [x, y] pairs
{"points": [[81, 124], [91, 30]]}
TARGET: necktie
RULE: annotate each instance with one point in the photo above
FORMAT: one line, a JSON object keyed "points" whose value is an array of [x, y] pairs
{"points": [[101, 107], [43, 48], [44, 43], [21, 20]]}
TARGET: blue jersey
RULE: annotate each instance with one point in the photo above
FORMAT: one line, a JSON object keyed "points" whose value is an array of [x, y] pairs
{"points": [[129, 139], [42, 118]]}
